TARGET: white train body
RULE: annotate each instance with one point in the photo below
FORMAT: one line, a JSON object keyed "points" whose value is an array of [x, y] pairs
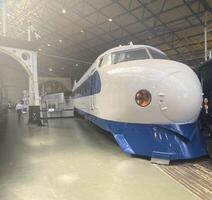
{"points": [[176, 93], [175, 88]]}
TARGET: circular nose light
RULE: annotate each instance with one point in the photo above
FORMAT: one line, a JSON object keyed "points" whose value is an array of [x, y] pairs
{"points": [[143, 98]]}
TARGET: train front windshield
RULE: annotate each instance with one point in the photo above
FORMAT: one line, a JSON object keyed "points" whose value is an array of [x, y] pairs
{"points": [[123, 56], [157, 54], [137, 54]]}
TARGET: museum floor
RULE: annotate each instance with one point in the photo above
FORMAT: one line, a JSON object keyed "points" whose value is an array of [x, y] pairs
{"points": [[73, 159]]}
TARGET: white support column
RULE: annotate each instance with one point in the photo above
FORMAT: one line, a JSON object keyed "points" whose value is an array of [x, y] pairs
{"points": [[206, 37], [35, 80], [29, 31], [210, 54], [31, 91], [33, 83]]}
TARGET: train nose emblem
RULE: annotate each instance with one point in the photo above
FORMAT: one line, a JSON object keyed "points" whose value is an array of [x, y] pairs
{"points": [[143, 98]]}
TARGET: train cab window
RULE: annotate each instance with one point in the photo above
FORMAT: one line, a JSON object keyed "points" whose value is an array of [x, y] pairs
{"points": [[100, 62], [157, 54], [105, 60], [129, 55]]}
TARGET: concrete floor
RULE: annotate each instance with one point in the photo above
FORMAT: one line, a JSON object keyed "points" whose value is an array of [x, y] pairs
{"points": [[73, 160]]}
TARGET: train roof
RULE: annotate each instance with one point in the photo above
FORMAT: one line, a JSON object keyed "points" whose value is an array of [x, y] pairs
{"points": [[129, 47], [113, 50]]}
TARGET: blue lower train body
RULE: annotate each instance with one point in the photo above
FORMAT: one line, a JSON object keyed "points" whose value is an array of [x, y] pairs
{"points": [[171, 142]]}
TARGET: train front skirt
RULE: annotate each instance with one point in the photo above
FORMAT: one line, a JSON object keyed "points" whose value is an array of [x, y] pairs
{"points": [[171, 142]]}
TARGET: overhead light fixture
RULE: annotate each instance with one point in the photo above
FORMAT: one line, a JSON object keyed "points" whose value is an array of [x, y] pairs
{"points": [[81, 31], [110, 20], [39, 49], [50, 69], [64, 11], [60, 41], [48, 45], [77, 65]]}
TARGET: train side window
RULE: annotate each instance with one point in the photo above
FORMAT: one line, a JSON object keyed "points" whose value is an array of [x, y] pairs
{"points": [[105, 60], [100, 62]]}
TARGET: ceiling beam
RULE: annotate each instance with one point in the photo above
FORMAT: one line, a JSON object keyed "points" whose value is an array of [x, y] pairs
{"points": [[188, 5], [157, 17], [206, 5]]}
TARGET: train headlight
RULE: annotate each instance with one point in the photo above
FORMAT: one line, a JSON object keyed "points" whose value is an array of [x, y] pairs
{"points": [[143, 98]]}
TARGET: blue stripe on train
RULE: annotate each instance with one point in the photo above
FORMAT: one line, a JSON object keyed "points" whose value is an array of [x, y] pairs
{"points": [[158, 141]]}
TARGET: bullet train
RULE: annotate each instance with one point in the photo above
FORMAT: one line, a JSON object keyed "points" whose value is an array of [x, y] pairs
{"points": [[150, 104]]}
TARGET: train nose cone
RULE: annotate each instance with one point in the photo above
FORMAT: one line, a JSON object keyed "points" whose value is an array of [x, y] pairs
{"points": [[180, 96]]}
